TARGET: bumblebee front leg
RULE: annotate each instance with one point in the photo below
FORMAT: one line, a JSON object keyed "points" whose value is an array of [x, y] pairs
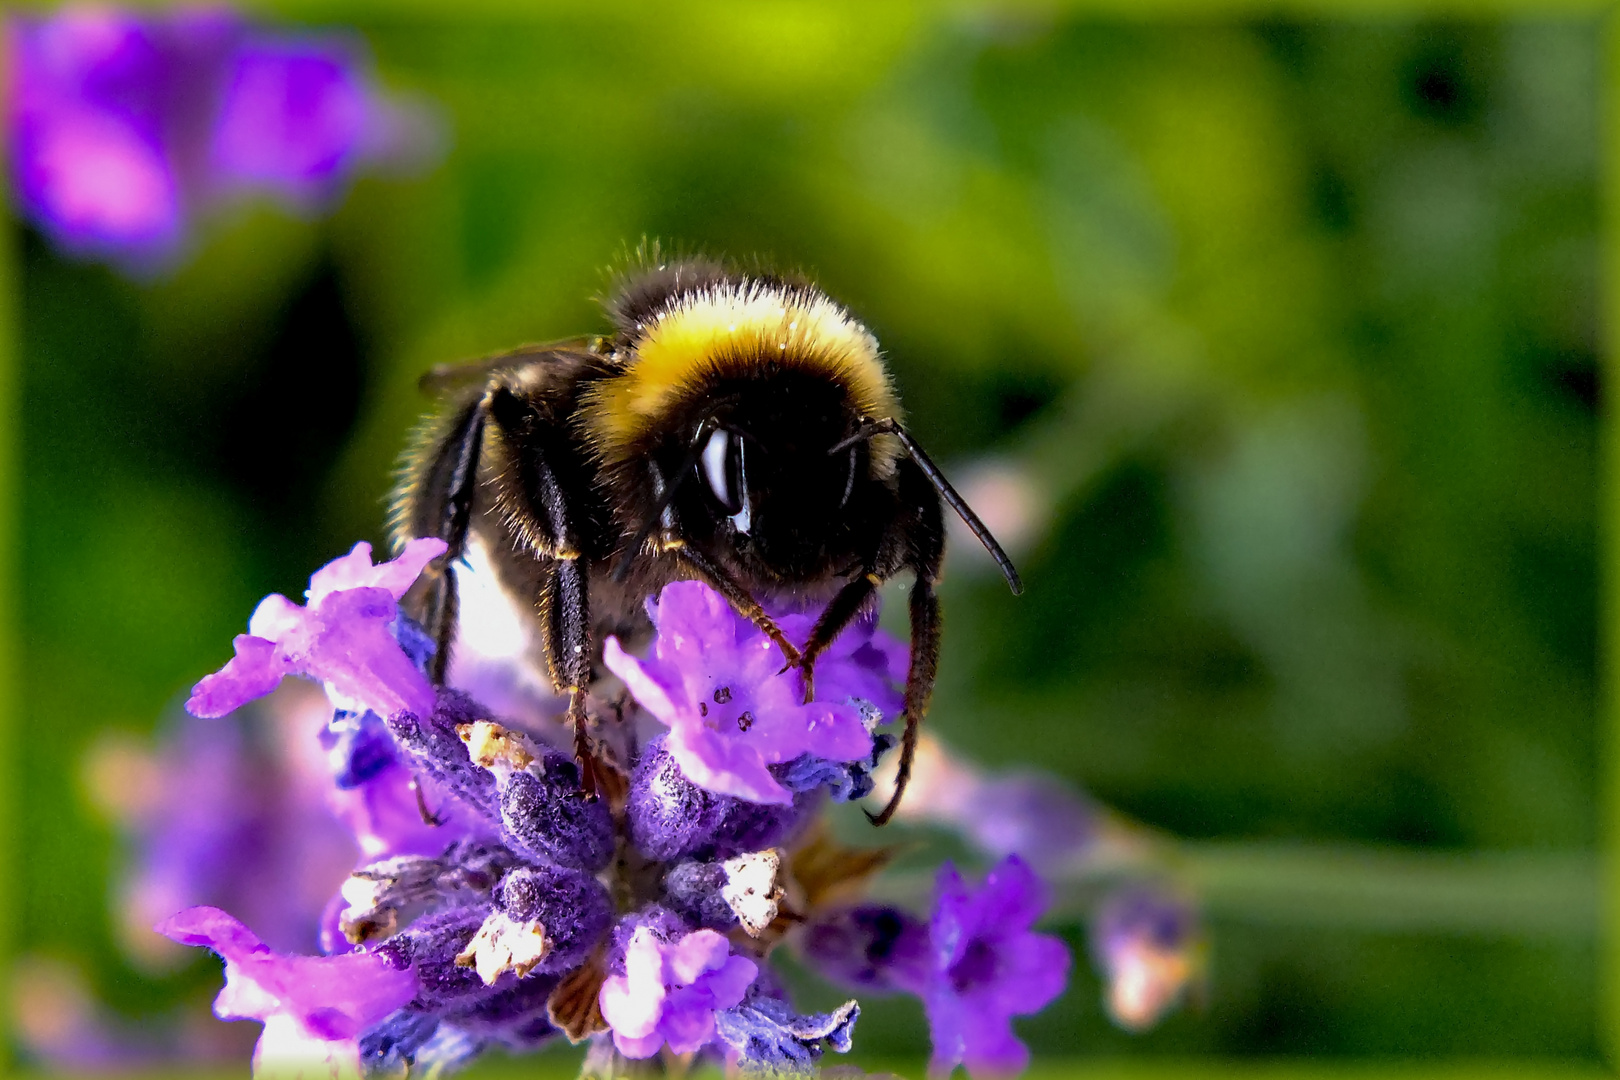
{"points": [[565, 611], [737, 596]]}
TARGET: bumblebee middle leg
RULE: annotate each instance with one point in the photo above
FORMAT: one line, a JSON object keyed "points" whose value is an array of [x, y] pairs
{"points": [[919, 545], [565, 615], [846, 605], [538, 513]]}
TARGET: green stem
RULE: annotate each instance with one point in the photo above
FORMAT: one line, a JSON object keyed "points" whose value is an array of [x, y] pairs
{"points": [[1517, 894]]}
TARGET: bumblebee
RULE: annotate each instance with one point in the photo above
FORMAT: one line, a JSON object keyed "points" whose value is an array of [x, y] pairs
{"points": [[739, 429]]}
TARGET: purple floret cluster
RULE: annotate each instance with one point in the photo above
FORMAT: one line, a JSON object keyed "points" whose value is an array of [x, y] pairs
{"points": [[123, 128], [498, 905]]}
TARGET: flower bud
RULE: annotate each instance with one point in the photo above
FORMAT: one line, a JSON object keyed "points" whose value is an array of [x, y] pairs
{"points": [[574, 908], [870, 947], [670, 817], [431, 946], [552, 820], [692, 889], [432, 745]]}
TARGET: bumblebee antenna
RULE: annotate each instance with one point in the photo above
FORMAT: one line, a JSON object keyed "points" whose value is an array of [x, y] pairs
{"points": [[693, 452], [891, 426]]}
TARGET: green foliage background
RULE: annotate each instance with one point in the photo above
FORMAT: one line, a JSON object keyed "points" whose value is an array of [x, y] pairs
{"points": [[1293, 326]]}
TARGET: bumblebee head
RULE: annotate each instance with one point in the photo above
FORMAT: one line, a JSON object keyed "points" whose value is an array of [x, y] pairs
{"points": [[753, 416], [765, 485], [733, 393]]}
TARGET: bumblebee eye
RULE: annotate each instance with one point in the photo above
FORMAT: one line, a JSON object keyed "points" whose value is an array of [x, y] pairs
{"points": [[723, 469]]}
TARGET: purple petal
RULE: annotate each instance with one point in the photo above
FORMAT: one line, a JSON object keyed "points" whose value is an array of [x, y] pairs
{"points": [[984, 1043], [347, 644], [697, 953], [670, 990], [727, 985], [1013, 896], [385, 818], [715, 679], [355, 570], [988, 967], [255, 670], [632, 1014], [97, 183], [725, 766], [1035, 968], [343, 638], [331, 997], [636, 1048], [276, 617], [648, 691], [688, 1021]]}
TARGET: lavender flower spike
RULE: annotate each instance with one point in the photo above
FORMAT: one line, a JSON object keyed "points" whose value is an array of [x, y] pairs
{"points": [[716, 680], [988, 968], [670, 992], [314, 1008], [341, 637]]}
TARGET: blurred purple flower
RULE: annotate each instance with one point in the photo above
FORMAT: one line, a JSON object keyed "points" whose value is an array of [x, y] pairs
{"points": [[293, 119], [314, 1008], [59, 1023], [670, 991], [1149, 945], [341, 638], [988, 968], [100, 104], [716, 680], [229, 813], [122, 127], [1031, 814], [871, 947], [384, 814]]}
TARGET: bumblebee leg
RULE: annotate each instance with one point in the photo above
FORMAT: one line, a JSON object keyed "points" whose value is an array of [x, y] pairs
{"points": [[839, 614], [920, 542], [737, 596], [919, 683], [538, 514], [460, 452], [565, 608]]}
